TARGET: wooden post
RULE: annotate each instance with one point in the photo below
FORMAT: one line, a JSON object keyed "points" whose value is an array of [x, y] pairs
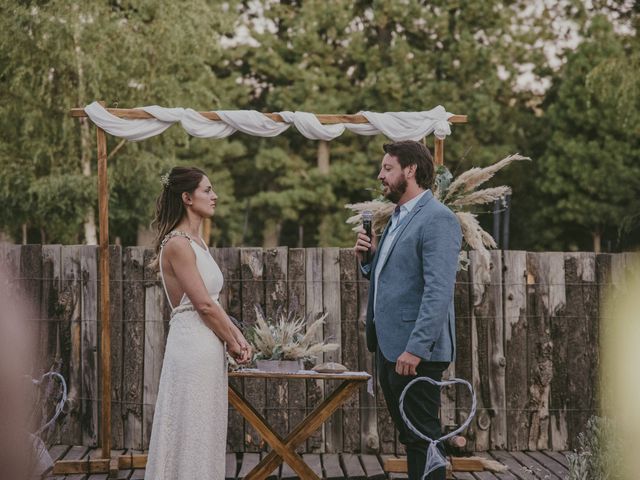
{"points": [[105, 343], [438, 152]]}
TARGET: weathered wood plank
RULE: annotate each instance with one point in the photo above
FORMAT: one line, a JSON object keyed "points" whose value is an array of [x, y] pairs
{"points": [[313, 460], [332, 334], [12, 260], [497, 363], [603, 275], [464, 353], [117, 354], [296, 284], [70, 341], [487, 327], [582, 352], [331, 466], [133, 346], [480, 426], [275, 474], [393, 475], [532, 465], [618, 272], [546, 292], [448, 401], [123, 472], [551, 465], [228, 259], [11, 255], [372, 467], [6, 280], [252, 274], [304, 374], [559, 457], [89, 345], [249, 461], [138, 474], [603, 280], [514, 466], [546, 299], [349, 345], [352, 467], [154, 342], [57, 452], [588, 294], [91, 453], [515, 334], [631, 263], [287, 473], [483, 476], [506, 475], [231, 466], [29, 288], [50, 318], [275, 265], [104, 476], [464, 476], [76, 452], [314, 308], [369, 437]]}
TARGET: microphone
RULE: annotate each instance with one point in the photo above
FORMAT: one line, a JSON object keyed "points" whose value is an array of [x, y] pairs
{"points": [[367, 220]]}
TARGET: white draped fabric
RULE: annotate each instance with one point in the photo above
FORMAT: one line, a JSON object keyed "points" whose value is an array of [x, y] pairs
{"points": [[395, 125]]}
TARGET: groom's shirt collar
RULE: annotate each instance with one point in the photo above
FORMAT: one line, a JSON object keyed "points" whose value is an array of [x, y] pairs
{"points": [[406, 207]]}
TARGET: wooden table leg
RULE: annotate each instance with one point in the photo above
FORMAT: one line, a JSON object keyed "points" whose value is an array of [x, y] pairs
{"points": [[281, 450], [309, 425]]}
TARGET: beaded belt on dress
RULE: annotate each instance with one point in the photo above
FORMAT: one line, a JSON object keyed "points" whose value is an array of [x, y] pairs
{"points": [[182, 308]]}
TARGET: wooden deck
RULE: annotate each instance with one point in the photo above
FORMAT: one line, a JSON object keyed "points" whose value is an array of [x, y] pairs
{"points": [[522, 466]]}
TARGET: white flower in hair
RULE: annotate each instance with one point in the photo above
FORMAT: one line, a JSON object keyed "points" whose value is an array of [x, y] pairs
{"points": [[164, 179]]}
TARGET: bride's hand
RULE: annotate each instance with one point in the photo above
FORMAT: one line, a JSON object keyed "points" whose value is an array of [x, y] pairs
{"points": [[247, 351], [241, 351], [235, 350]]}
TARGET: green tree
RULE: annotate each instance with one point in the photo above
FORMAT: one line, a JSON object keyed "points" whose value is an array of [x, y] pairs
{"points": [[392, 56], [590, 171], [56, 55]]}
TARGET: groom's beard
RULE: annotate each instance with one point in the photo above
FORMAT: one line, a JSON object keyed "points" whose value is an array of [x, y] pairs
{"points": [[396, 190]]}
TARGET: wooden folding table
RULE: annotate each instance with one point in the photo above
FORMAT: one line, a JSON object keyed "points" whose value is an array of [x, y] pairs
{"points": [[284, 448]]}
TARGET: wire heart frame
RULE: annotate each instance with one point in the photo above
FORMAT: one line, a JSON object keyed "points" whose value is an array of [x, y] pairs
{"points": [[435, 459], [61, 402]]}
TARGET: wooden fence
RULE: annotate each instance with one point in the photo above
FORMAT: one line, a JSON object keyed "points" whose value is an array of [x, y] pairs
{"points": [[527, 339]]}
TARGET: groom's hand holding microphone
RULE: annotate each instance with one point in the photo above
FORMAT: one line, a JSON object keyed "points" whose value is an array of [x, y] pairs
{"points": [[366, 243]]}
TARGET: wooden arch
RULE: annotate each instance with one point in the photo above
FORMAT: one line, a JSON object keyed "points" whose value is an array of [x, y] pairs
{"points": [[106, 464]]}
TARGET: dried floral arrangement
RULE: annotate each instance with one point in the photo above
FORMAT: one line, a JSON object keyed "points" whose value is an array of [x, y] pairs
{"points": [[285, 337], [460, 195]]}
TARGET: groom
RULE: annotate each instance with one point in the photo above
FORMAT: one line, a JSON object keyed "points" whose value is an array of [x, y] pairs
{"points": [[410, 318]]}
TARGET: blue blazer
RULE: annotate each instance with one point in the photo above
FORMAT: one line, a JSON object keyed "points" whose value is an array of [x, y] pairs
{"points": [[415, 289]]}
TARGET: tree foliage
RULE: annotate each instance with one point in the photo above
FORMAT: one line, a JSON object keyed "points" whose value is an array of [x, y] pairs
{"points": [[590, 171], [336, 57], [56, 55]]}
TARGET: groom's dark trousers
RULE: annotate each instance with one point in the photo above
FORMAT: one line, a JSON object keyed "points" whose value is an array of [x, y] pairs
{"points": [[421, 404]]}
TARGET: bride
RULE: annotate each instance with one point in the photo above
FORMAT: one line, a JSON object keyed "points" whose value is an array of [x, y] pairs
{"points": [[188, 437]]}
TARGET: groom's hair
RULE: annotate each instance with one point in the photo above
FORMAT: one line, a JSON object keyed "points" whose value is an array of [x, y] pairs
{"points": [[409, 152]]}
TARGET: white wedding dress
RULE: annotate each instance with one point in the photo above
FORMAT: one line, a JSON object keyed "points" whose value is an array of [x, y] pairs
{"points": [[189, 433]]}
